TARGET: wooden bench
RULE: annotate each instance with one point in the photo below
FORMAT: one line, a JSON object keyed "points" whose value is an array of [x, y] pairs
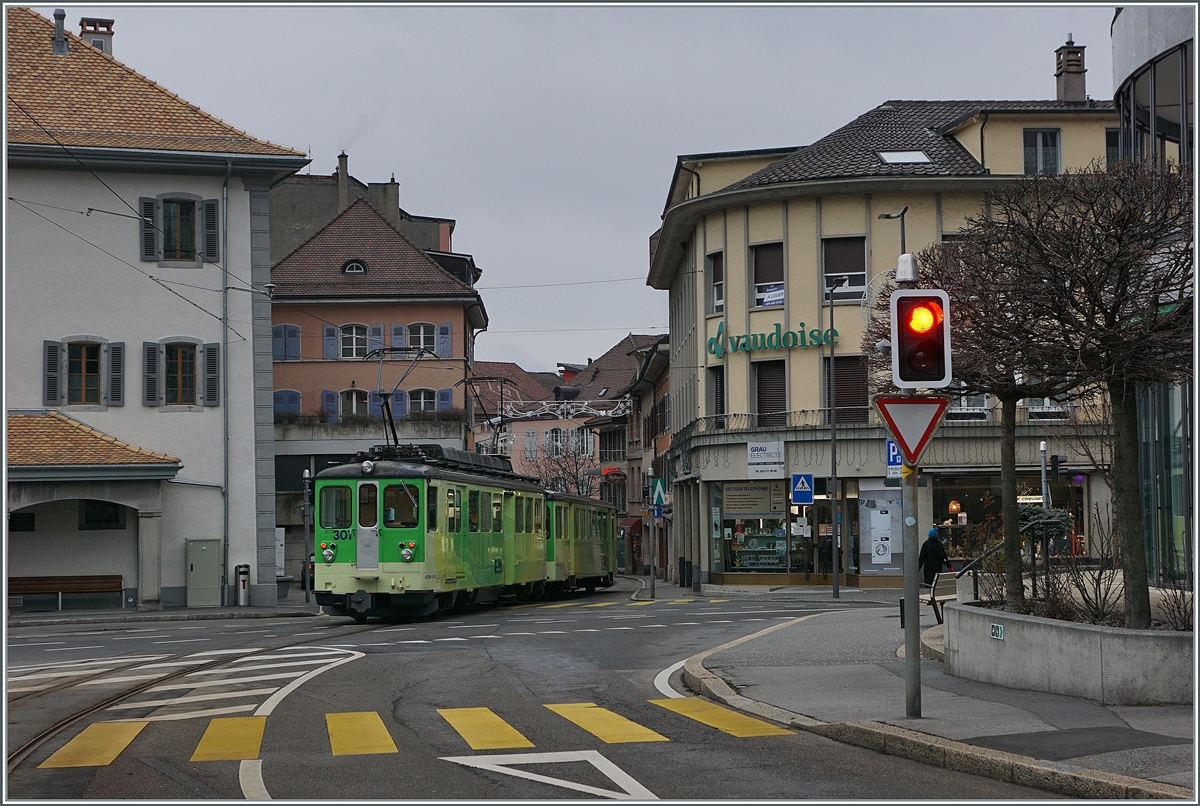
{"points": [[96, 583], [944, 589]]}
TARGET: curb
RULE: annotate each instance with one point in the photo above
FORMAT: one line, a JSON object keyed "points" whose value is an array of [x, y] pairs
{"points": [[1063, 779], [151, 616]]}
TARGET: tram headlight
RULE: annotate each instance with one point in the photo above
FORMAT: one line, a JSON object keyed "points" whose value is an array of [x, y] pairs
{"points": [[327, 555], [406, 555], [368, 466]]}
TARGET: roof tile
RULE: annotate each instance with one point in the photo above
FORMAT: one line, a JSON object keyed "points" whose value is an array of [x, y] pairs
{"points": [[53, 438]]}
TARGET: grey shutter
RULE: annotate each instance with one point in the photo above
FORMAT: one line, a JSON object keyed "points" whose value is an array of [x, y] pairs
{"points": [[768, 263], [470, 411], [331, 342], [148, 229], [771, 380], [374, 405], [374, 337], [212, 374], [445, 399], [150, 378], [399, 336], [277, 346], [116, 373], [329, 405], [52, 372], [445, 345], [291, 342], [851, 396], [399, 405], [210, 230]]}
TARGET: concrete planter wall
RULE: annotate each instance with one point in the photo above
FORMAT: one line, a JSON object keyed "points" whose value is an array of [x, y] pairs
{"points": [[1112, 665]]}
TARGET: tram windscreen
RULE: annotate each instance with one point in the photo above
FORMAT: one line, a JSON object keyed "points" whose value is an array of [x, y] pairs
{"points": [[401, 506], [335, 507]]}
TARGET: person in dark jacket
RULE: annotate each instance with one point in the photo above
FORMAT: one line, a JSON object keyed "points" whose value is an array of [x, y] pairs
{"points": [[933, 557]]}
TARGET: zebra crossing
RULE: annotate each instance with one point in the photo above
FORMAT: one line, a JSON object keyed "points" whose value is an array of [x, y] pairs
{"points": [[239, 738]]}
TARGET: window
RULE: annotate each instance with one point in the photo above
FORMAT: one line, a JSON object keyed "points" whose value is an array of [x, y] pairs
{"points": [[423, 337], [179, 230], [851, 396], [530, 524], [531, 443], [335, 507], [715, 268], [401, 506], [83, 373], [1044, 408], [518, 514], [354, 267], [967, 407], [101, 515], [431, 510], [903, 157], [179, 368], [582, 441], [716, 395], [771, 387], [368, 505], [612, 445], [485, 512], [767, 262], [613, 494], [498, 513], [422, 400], [354, 341], [285, 343], [473, 511], [844, 257], [1112, 146], [1041, 152], [453, 510], [556, 442], [354, 401]]}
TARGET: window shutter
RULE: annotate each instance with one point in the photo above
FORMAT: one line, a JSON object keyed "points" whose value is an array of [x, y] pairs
{"points": [[772, 392], [445, 399], [374, 405], [150, 385], [399, 336], [291, 342], [445, 346], [210, 230], [331, 342], [852, 398], [52, 372], [148, 229], [845, 256], [399, 405], [768, 263], [329, 405], [718, 381], [212, 374], [280, 402], [278, 350], [116, 373], [293, 402], [374, 337]]}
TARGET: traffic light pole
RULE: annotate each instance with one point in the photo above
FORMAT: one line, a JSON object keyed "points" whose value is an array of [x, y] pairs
{"points": [[912, 606]]}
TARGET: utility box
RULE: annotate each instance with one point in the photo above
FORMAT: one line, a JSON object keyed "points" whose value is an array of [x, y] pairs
{"points": [[204, 573]]}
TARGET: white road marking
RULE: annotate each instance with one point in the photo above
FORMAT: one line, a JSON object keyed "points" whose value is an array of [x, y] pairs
{"points": [[243, 651], [255, 668], [211, 712], [46, 643], [552, 632], [618, 628], [122, 679], [72, 648], [632, 790], [652, 625], [520, 633], [473, 626], [450, 639], [687, 624], [663, 678], [397, 629], [589, 630], [226, 695], [83, 662], [230, 681], [141, 637], [183, 641], [322, 654]]}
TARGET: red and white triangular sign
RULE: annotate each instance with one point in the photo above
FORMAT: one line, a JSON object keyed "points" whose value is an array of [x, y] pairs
{"points": [[912, 421]]}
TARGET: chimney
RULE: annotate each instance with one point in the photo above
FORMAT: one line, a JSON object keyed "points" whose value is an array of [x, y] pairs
{"points": [[60, 37], [343, 182], [1069, 70], [385, 197], [97, 32]]}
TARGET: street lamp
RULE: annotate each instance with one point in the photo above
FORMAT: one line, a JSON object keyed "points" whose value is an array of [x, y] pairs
{"points": [[834, 284], [899, 215]]}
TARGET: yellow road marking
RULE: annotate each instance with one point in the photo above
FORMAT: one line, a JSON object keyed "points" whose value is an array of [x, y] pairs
{"points": [[682, 601], [605, 725], [551, 607], [233, 738], [717, 601], [601, 604], [722, 719], [636, 604], [482, 729], [96, 746], [359, 733]]}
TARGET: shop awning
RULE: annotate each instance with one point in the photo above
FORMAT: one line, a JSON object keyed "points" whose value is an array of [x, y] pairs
{"points": [[633, 526]]}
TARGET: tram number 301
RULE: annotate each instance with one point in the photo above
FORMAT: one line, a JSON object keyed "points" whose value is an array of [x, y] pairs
{"points": [[342, 534]]}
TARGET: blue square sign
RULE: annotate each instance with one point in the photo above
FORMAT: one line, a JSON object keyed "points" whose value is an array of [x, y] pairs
{"points": [[802, 488]]}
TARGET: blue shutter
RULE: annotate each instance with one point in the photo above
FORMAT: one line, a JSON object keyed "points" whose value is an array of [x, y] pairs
{"points": [[445, 399], [150, 385], [329, 405], [374, 405], [291, 342], [445, 344], [280, 402], [470, 401], [212, 374], [293, 402], [399, 336], [399, 404], [277, 346], [52, 373], [209, 230], [116, 373], [148, 229], [374, 337], [331, 342]]}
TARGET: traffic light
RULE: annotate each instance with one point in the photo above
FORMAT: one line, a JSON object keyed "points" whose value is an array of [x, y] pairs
{"points": [[1057, 465], [920, 339]]}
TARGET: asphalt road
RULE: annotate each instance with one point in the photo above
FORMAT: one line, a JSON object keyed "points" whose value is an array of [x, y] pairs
{"points": [[561, 700]]}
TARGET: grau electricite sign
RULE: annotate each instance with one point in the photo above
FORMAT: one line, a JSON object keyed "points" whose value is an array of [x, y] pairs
{"points": [[777, 339]]}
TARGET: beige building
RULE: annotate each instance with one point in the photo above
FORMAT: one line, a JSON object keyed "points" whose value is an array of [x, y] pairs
{"points": [[749, 242]]}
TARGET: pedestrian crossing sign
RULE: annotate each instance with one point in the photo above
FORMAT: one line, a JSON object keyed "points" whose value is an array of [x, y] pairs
{"points": [[802, 488]]}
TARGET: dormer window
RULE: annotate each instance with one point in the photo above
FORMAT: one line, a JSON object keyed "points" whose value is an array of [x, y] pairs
{"points": [[901, 157], [354, 267]]}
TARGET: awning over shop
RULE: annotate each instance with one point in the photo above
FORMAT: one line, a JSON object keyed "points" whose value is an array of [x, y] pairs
{"points": [[632, 526]]}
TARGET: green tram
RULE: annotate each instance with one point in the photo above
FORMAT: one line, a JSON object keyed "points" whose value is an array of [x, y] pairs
{"points": [[407, 530]]}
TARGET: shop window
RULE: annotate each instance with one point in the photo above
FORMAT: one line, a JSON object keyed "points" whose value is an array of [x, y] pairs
{"points": [[715, 271], [844, 257], [101, 515], [767, 265], [1042, 152], [753, 529]]}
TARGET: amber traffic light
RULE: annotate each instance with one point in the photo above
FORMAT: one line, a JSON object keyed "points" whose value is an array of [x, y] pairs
{"points": [[920, 339]]}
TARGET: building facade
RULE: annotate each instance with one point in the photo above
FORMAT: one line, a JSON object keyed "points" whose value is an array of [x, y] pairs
{"points": [[749, 244]]}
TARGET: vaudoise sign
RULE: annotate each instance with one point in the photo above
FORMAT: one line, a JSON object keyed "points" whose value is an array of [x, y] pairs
{"points": [[778, 339]]}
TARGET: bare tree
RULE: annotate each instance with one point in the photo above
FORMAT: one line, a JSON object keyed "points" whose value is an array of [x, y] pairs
{"points": [[568, 462]]}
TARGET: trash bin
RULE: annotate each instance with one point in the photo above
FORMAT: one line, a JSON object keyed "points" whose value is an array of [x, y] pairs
{"points": [[243, 584]]}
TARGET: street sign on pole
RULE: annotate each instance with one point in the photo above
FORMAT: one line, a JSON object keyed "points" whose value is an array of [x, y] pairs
{"points": [[893, 460], [660, 491], [658, 510], [912, 421], [802, 488]]}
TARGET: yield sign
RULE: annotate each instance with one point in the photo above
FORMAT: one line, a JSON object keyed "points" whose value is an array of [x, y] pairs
{"points": [[630, 788], [912, 421]]}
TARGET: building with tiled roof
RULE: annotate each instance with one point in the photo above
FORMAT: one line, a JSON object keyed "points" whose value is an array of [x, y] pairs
{"points": [[126, 206], [749, 244]]}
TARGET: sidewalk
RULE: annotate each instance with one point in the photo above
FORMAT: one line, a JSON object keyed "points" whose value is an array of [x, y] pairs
{"points": [[842, 674], [294, 605]]}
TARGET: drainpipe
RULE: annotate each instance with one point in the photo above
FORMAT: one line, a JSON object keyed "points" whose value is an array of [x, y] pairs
{"points": [[225, 376], [693, 173], [982, 126]]}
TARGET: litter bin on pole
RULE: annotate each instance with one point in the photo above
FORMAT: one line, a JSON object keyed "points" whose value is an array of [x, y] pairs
{"points": [[243, 584]]}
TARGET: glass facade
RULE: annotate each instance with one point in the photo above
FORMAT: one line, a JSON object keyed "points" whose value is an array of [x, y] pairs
{"points": [[1156, 110], [1164, 425]]}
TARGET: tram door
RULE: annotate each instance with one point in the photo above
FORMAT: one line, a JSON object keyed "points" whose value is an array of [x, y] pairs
{"points": [[366, 537]]}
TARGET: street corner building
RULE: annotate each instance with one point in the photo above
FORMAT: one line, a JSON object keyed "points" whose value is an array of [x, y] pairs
{"points": [[139, 353], [750, 244]]}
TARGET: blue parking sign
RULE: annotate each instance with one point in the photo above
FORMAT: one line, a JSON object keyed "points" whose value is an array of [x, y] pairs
{"points": [[894, 460], [802, 488]]}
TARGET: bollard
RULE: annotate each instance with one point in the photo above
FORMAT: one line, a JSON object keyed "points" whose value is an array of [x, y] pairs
{"points": [[243, 584], [687, 574]]}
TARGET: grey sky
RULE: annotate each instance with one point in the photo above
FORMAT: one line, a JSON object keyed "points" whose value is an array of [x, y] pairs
{"points": [[550, 133]]}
